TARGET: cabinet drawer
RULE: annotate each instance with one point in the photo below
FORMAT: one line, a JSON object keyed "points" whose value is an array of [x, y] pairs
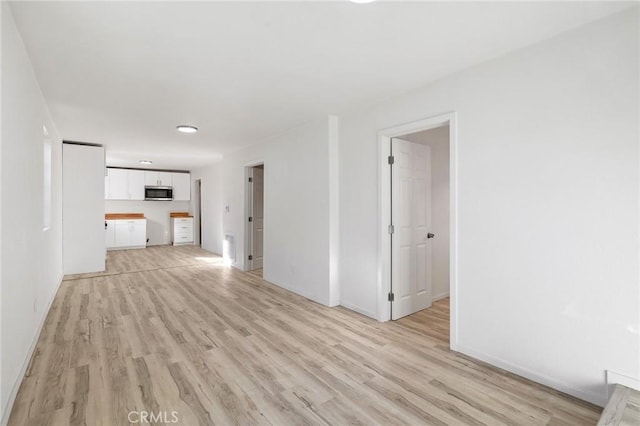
{"points": [[183, 220], [183, 227], [182, 239], [189, 237], [183, 233]]}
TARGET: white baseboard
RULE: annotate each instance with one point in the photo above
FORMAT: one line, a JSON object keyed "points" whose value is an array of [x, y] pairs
{"points": [[16, 386], [437, 297], [297, 291], [359, 310], [614, 378], [287, 287], [584, 394]]}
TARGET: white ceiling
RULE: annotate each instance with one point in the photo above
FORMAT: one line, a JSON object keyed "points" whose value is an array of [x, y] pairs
{"points": [[124, 74]]}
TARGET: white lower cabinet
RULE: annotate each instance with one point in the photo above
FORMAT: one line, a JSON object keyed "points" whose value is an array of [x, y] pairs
{"points": [[126, 233], [110, 233], [181, 230]]}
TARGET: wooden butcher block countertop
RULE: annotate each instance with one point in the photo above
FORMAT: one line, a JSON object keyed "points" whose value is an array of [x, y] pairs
{"points": [[179, 214], [123, 216]]}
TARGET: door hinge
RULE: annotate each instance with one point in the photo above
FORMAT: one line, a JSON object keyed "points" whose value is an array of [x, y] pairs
{"points": [[250, 257], [250, 180], [391, 159], [250, 219], [390, 297], [391, 229]]}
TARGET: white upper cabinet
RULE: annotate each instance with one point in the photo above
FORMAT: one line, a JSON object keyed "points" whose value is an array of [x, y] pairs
{"points": [[118, 184], [153, 178], [136, 184], [181, 186], [165, 178], [128, 184], [124, 184]]}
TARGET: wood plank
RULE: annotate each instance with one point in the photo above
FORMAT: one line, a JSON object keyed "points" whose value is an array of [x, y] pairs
{"points": [[172, 329], [623, 408]]}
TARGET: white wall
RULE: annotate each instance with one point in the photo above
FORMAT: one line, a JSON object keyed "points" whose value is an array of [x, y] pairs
{"points": [[548, 237], [438, 140], [296, 236], [32, 267], [296, 226], [2, 104], [83, 247], [156, 212], [211, 201]]}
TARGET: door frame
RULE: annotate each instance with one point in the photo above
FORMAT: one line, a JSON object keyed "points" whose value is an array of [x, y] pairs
{"points": [[248, 210], [384, 213]]}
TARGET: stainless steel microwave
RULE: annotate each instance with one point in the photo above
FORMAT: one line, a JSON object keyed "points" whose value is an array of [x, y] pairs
{"points": [[158, 193]]}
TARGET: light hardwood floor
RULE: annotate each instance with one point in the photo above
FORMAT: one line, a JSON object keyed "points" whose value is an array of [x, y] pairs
{"points": [[257, 272], [171, 329]]}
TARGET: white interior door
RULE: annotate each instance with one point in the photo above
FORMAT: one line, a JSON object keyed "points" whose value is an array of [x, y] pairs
{"points": [[411, 219], [257, 225]]}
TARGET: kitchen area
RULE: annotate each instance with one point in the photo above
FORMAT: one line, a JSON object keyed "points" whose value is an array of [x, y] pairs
{"points": [[146, 207], [119, 208]]}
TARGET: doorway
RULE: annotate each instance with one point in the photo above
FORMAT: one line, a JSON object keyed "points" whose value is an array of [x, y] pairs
{"points": [[255, 217], [411, 260], [417, 217]]}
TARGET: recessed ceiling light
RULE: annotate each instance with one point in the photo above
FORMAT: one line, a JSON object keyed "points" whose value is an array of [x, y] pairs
{"points": [[146, 161], [187, 129], [362, 1]]}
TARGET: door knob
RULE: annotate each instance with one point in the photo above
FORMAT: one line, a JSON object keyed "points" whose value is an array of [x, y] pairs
{"points": [[430, 235]]}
